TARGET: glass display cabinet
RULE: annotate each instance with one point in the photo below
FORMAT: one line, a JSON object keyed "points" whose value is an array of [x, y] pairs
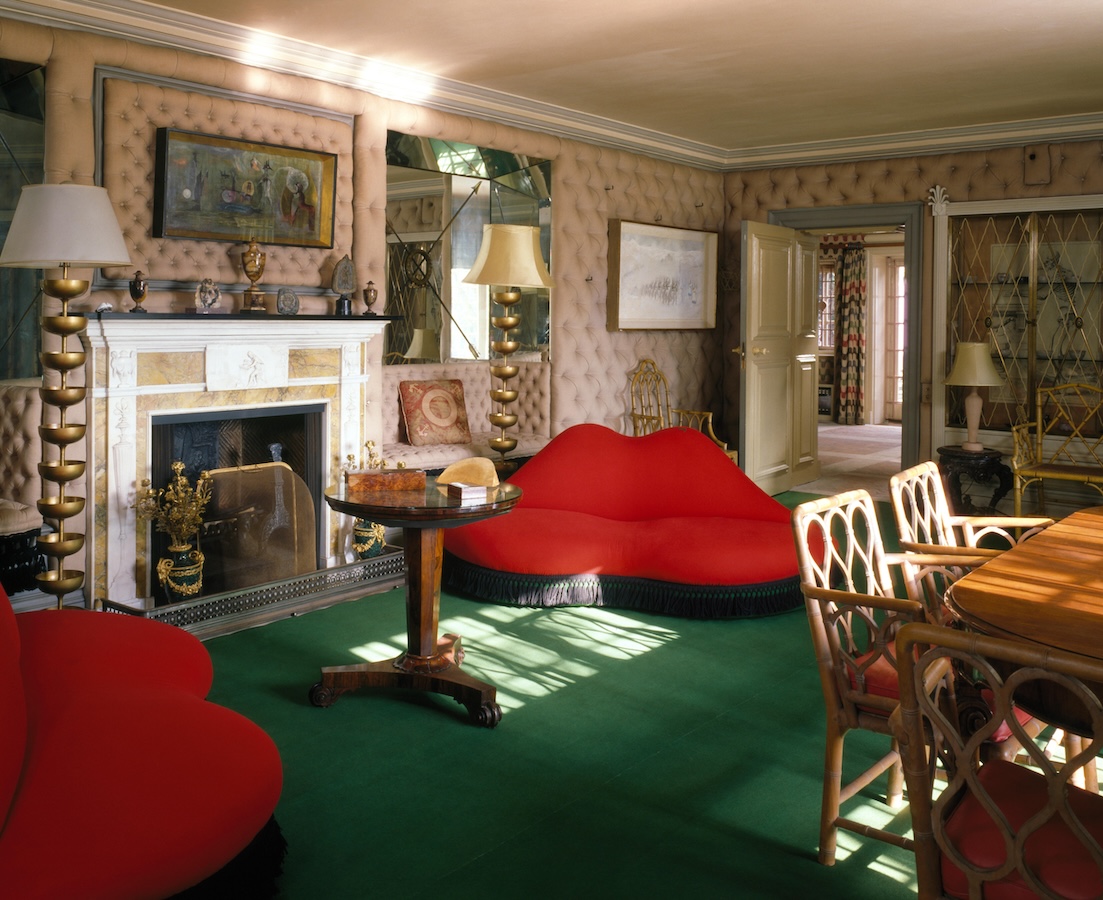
{"points": [[1026, 276]]}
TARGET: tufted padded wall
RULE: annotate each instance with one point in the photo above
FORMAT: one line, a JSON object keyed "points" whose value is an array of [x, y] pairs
{"points": [[592, 185], [132, 113], [532, 384], [20, 445], [998, 174]]}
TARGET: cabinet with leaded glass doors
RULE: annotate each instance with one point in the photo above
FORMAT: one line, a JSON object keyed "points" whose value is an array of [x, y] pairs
{"points": [[1027, 278]]}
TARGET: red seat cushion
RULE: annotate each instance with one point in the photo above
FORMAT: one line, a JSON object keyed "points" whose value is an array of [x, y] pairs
{"points": [[13, 707], [1053, 853], [67, 646], [135, 793]]}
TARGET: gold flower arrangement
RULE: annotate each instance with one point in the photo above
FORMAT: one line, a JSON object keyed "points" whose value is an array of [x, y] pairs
{"points": [[177, 509]]}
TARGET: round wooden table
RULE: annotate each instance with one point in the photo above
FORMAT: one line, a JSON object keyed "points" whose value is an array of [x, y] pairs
{"points": [[428, 664]]}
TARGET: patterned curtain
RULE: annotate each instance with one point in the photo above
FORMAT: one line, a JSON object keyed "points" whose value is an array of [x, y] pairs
{"points": [[850, 335]]}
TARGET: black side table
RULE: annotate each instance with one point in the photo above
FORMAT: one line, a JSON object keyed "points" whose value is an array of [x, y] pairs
{"points": [[981, 467]]}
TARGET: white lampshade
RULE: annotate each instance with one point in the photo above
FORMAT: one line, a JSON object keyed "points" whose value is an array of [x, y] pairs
{"points": [[59, 225], [423, 345], [510, 256], [973, 366]]}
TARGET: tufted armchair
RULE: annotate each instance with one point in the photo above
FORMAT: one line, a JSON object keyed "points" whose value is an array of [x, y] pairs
{"points": [[20, 486]]}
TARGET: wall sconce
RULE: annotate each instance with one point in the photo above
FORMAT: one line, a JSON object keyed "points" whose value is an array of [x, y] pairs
{"points": [[62, 226], [973, 368], [509, 256]]}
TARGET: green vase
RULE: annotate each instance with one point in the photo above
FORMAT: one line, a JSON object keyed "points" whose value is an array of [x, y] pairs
{"points": [[181, 573], [367, 539]]}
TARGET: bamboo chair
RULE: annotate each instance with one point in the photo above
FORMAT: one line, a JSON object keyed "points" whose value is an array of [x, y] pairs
{"points": [[998, 827], [925, 522], [853, 615], [926, 526]]}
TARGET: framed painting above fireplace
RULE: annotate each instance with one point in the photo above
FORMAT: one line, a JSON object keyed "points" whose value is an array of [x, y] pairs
{"points": [[214, 188]]}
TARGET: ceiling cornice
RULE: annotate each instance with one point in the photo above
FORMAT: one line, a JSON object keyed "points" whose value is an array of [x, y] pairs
{"points": [[148, 24]]}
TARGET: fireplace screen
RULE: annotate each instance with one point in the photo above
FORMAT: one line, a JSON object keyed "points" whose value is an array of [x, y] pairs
{"points": [[259, 527], [262, 524]]}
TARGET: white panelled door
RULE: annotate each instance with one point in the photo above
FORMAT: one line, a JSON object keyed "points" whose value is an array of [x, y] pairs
{"points": [[777, 404]]}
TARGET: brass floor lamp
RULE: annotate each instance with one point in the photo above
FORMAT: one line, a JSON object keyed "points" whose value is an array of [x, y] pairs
{"points": [[62, 226], [510, 257]]}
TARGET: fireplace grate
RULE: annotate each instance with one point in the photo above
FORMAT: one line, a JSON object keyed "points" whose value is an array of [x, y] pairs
{"points": [[225, 613]]}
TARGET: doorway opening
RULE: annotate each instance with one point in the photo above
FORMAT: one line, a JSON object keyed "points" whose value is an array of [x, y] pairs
{"points": [[864, 454], [892, 385]]}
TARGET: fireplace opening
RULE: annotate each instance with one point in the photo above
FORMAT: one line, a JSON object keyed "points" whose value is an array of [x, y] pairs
{"points": [[264, 520]]}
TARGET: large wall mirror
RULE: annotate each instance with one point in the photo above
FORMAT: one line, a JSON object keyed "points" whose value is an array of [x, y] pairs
{"points": [[439, 196], [22, 145]]}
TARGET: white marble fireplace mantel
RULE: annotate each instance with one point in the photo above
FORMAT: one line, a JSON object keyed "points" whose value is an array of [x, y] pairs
{"points": [[142, 366]]}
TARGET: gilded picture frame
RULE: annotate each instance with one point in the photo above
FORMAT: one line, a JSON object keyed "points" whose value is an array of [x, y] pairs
{"points": [[213, 188], [661, 277]]}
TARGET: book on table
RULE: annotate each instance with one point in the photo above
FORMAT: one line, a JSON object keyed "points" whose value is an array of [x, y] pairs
{"points": [[468, 493]]}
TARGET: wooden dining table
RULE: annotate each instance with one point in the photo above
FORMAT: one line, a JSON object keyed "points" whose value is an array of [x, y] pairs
{"points": [[1047, 590]]}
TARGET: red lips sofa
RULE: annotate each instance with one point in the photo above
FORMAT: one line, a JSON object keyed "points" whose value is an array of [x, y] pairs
{"points": [[117, 778], [662, 523]]}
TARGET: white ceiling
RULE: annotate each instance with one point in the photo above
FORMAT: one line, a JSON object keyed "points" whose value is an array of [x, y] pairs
{"points": [[720, 83]]}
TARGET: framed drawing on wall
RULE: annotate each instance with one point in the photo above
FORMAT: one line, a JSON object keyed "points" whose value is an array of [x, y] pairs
{"points": [[660, 277], [214, 188]]}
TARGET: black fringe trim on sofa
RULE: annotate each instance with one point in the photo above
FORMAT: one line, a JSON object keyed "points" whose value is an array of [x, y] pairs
{"points": [[689, 601], [253, 874]]}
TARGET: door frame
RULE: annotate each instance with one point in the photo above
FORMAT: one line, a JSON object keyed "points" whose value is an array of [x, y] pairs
{"points": [[909, 215]]}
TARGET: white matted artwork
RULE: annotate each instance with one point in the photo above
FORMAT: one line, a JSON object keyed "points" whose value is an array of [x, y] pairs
{"points": [[660, 277]]}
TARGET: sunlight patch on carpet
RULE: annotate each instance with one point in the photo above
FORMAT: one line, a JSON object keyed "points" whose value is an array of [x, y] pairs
{"points": [[531, 653]]}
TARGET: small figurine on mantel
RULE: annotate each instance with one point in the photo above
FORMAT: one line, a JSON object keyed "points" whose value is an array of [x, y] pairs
{"points": [[138, 288], [207, 296], [344, 283]]}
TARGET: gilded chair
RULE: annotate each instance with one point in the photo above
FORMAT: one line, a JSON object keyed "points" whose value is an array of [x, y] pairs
{"points": [[853, 615], [997, 827], [649, 392], [924, 521], [1063, 443]]}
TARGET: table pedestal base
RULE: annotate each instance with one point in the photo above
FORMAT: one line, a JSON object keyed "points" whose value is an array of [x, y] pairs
{"points": [[438, 674]]}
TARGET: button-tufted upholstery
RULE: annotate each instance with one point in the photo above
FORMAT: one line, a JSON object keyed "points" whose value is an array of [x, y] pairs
{"points": [[20, 445], [20, 485], [591, 185], [532, 406]]}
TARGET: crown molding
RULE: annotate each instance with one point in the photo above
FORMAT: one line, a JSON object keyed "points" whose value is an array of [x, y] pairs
{"points": [[154, 25]]}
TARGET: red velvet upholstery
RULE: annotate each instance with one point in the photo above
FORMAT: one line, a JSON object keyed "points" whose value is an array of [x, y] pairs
{"points": [[1058, 858], [131, 783], [664, 522], [13, 710]]}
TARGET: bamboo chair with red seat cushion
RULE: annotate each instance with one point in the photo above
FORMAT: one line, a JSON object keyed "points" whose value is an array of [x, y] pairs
{"points": [[997, 828], [853, 615], [926, 525]]}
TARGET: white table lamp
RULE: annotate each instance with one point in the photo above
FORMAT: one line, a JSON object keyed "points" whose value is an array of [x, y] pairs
{"points": [[973, 368]]}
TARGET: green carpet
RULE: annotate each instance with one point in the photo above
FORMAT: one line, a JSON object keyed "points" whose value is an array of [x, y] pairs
{"points": [[638, 756]]}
